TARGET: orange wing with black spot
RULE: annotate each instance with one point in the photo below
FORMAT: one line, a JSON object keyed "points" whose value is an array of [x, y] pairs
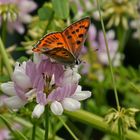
{"points": [[50, 41], [75, 35], [66, 44]]}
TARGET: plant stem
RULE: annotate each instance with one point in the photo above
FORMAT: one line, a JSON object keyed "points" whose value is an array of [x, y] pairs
{"points": [[72, 134], [120, 130], [99, 123], [109, 59], [46, 122], [34, 130], [4, 31], [5, 58]]}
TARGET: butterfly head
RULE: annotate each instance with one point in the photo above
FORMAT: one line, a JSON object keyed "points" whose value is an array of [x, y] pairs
{"points": [[77, 61]]}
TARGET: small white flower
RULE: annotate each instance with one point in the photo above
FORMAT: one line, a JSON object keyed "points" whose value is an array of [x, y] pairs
{"points": [[38, 111], [14, 102], [71, 104], [111, 34], [71, 76], [56, 108], [20, 77]]}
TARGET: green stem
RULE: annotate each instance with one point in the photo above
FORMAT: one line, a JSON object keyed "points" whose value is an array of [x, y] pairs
{"points": [[4, 55], [120, 130], [99, 123], [34, 130], [46, 122], [4, 31], [0, 65], [109, 59], [72, 134]]}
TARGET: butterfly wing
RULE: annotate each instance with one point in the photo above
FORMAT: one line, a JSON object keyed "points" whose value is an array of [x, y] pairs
{"points": [[61, 55], [75, 35], [50, 41], [64, 46]]}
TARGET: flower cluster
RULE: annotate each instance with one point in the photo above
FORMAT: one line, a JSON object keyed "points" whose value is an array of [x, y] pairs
{"points": [[117, 12], [47, 82], [96, 40], [15, 13]]}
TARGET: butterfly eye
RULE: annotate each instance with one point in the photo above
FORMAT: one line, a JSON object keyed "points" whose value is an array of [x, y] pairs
{"points": [[77, 61]]}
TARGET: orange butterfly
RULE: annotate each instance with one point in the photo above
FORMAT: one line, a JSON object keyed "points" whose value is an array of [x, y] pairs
{"points": [[64, 47]]}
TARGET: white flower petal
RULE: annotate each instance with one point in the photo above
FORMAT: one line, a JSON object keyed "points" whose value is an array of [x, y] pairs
{"points": [[56, 108], [31, 94], [19, 28], [22, 79], [70, 104], [79, 88], [71, 76], [81, 95], [8, 88], [14, 102], [111, 34], [26, 18], [38, 110], [52, 82]]}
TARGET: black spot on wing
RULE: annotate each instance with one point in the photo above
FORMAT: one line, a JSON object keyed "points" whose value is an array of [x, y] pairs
{"points": [[77, 30], [86, 27], [78, 42], [73, 32], [59, 43], [69, 36], [81, 35], [81, 26]]}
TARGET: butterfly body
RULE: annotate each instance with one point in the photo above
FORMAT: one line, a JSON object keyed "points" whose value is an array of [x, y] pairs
{"points": [[64, 47]]}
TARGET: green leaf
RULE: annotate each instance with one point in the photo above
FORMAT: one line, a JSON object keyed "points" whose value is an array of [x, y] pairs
{"points": [[4, 78], [61, 8], [22, 59], [16, 133], [45, 13]]}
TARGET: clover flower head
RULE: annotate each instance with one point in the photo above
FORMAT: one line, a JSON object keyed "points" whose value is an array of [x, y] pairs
{"points": [[46, 81], [113, 46], [16, 13], [117, 12]]}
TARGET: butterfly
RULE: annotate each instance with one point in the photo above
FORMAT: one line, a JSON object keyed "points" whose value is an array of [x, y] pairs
{"points": [[64, 47]]}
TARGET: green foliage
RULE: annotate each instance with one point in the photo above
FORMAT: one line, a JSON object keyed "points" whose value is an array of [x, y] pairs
{"points": [[46, 12], [61, 8]]}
